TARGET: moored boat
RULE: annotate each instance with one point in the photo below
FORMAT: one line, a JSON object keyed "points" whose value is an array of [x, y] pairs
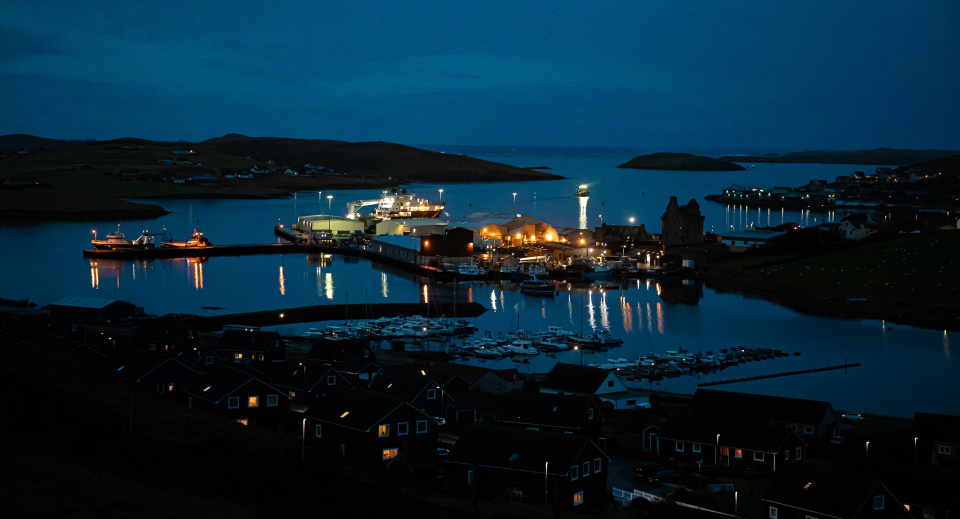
{"points": [[117, 241], [538, 287], [197, 241]]}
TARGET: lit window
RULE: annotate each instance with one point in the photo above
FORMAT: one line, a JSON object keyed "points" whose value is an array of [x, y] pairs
{"points": [[242, 421], [421, 426], [574, 473], [384, 430], [773, 512], [261, 356], [403, 428], [332, 380], [757, 456], [273, 400], [596, 466], [578, 498], [431, 394], [739, 453], [389, 454], [878, 502], [170, 386], [253, 401], [233, 402], [292, 394], [238, 355], [316, 431]]}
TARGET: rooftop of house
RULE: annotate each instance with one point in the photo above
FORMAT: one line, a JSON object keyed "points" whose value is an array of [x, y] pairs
{"points": [[543, 409], [355, 409], [827, 492], [726, 433], [519, 449], [759, 408], [571, 378]]}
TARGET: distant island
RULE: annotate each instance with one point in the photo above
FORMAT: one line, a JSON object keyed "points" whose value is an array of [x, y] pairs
{"points": [[680, 162], [50, 179], [877, 157]]}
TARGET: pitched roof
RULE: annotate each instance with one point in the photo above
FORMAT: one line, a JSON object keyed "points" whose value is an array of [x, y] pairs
{"points": [[333, 351], [134, 364], [519, 449], [404, 386], [544, 409], [761, 408], [300, 376], [764, 438], [355, 408], [827, 492], [84, 302], [570, 378], [217, 383], [163, 330], [252, 341]]}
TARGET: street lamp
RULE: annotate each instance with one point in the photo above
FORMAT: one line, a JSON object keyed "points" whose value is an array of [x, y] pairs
{"points": [[868, 451], [631, 220], [329, 202], [716, 451], [320, 196], [303, 442], [514, 203], [546, 465], [94, 234], [735, 502], [915, 448]]}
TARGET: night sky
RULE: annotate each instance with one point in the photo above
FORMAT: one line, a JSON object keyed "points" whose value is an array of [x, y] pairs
{"points": [[672, 74]]}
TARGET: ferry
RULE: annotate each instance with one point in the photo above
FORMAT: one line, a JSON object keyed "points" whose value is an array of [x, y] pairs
{"points": [[198, 240], [398, 205], [117, 241]]}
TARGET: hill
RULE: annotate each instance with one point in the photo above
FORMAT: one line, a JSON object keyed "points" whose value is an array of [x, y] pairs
{"points": [[877, 157], [19, 141], [679, 162]]}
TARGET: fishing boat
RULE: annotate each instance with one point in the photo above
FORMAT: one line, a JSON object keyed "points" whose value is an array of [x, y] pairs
{"points": [[197, 241], [398, 205], [117, 241], [538, 287]]}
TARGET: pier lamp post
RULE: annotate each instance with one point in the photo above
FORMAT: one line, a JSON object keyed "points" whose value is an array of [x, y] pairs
{"points": [[514, 203], [329, 203], [631, 220], [303, 442], [320, 196], [441, 196], [735, 502], [915, 448], [868, 451], [94, 234]]}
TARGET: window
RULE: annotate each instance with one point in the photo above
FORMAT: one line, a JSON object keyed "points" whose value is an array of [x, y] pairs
{"points": [[170, 386], [878, 502], [384, 430], [631, 402], [292, 394], [738, 453], [190, 402], [578, 498], [403, 428], [757, 456], [273, 400], [431, 394], [316, 431], [243, 421], [389, 454], [421, 426], [799, 455], [253, 401], [773, 512], [586, 468], [238, 356], [209, 359], [366, 353], [590, 414], [151, 347], [233, 402], [469, 477], [786, 454], [596, 466], [808, 429], [261, 356], [332, 380], [943, 449], [680, 446], [159, 389], [609, 383], [574, 473]]}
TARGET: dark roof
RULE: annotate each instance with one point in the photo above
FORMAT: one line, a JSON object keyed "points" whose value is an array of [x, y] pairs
{"points": [[827, 492], [928, 489], [528, 408], [675, 511], [519, 449], [355, 408], [250, 341], [740, 435], [88, 355], [342, 350], [404, 386], [163, 331], [300, 376], [133, 364], [469, 373], [937, 427], [217, 383], [571, 378], [443, 378], [760, 408]]}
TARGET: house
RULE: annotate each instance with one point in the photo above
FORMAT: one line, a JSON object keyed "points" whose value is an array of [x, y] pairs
{"points": [[91, 309], [570, 379], [807, 493], [739, 241], [808, 418], [250, 344], [304, 380], [737, 445], [420, 391], [165, 336], [154, 372], [365, 425], [937, 438], [567, 470], [927, 494], [334, 351], [237, 395], [567, 414], [359, 372]]}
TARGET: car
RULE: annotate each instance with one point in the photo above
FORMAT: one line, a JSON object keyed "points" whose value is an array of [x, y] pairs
{"points": [[666, 476], [852, 417], [645, 470]]}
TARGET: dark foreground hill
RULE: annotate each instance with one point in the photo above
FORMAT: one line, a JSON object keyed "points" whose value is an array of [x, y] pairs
{"points": [[877, 157], [679, 162]]}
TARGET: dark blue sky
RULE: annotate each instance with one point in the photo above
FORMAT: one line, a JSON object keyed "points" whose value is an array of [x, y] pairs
{"points": [[671, 74]]}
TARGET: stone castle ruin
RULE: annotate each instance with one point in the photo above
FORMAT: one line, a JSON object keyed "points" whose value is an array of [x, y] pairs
{"points": [[682, 224]]}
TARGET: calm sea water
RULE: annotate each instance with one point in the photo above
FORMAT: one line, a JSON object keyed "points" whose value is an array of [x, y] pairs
{"points": [[903, 369]]}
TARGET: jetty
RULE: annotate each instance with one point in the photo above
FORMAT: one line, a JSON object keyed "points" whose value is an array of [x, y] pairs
{"points": [[774, 375]]}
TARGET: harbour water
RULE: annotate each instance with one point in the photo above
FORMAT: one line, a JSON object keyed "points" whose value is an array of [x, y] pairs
{"points": [[902, 370]]}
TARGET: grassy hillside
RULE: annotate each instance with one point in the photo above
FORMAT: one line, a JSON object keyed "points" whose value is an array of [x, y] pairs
{"points": [[679, 162], [878, 157]]}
